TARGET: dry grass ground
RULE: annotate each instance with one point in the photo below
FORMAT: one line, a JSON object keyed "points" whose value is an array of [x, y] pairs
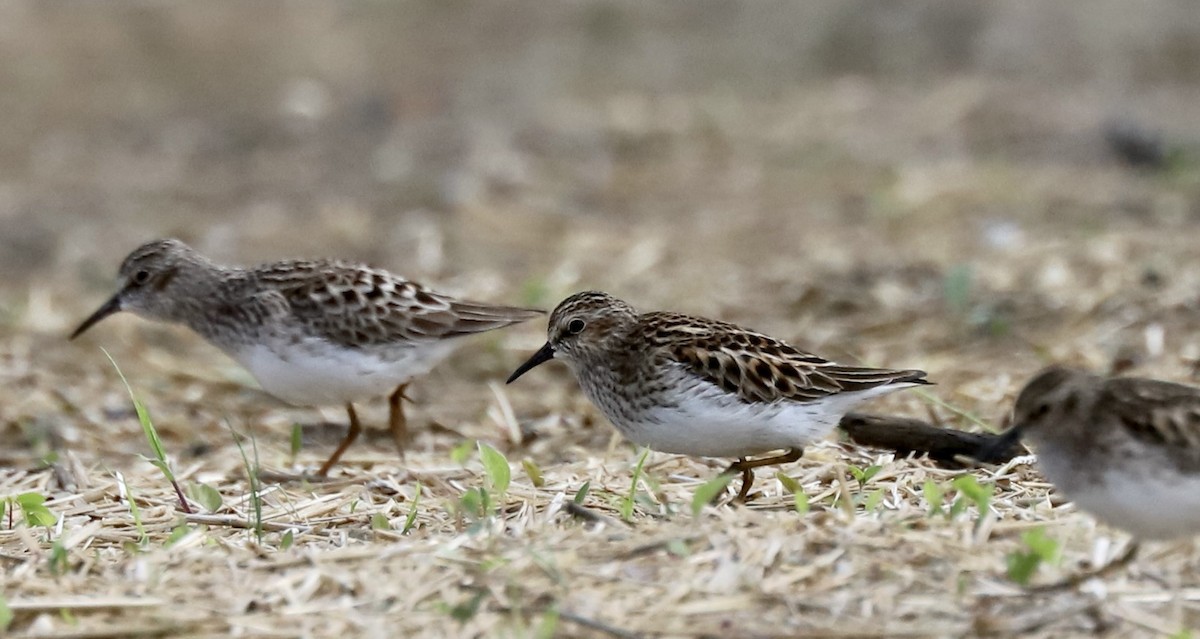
{"points": [[953, 211]]}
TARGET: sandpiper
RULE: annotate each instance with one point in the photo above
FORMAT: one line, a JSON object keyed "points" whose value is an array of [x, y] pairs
{"points": [[1125, 449], [313, 332], [695, 386]]}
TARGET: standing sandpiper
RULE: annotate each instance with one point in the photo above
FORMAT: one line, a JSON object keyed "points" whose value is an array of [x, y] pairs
{"points": [[1125, 449], [311, 332], [696, 386]]}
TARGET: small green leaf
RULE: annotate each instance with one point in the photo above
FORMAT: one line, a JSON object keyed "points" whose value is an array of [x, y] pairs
{"points": [[496, 466], [1042, 545], [678, 547], [957, 288], [533, 472], [547, 628], [288, 539], [534, 292], [801, 502], [874, 498], [967, 485], [207, 496], [460, 453], [33, 508], [6, 614], [863, 475], [411, 519], [709, 491], [464, 611], [857, 473], [297, 439], [934, 495], [789, 483], [59, 559], [474, 502], [799, 499], [379, 521], [870, 472], [177, 533], [1021, 565], [582, 493], [970, 489], [492, 562], [29, 501]]}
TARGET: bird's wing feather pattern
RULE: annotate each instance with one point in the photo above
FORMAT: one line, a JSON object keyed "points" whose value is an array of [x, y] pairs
{"points": [[757, 367], [1155, 411], [354, 305]]}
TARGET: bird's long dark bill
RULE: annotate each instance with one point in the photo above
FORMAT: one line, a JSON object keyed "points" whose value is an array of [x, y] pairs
{"points": [[544, 354], [997, 449], [111, 306]]}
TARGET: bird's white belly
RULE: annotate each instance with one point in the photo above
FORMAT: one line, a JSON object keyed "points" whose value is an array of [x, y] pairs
{"points": [[315, 373], [709, 422], [1150, 505], [732, 431]]}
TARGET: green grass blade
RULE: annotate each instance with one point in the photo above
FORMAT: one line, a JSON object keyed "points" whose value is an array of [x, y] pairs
{"points": [[143, 416], [582, 493], [709, 491], [297, 440], [6, 614], [127, 491], [533, 472], [156, 445], [629, 500], [967, 415], [252, 474], [411, 519]]}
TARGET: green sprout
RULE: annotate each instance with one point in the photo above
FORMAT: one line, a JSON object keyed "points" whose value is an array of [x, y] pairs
{"points": [[156, 446]]}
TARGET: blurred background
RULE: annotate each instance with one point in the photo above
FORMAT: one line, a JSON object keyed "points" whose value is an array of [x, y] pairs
{"points": [[971, 187]]}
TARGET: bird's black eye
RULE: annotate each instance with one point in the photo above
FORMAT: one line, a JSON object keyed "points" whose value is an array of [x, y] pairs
{"points": [[141, 277], [576, 326], [1041, 411]]}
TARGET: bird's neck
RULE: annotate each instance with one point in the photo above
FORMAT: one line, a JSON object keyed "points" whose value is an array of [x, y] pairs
{"points": [[205, 298]]}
